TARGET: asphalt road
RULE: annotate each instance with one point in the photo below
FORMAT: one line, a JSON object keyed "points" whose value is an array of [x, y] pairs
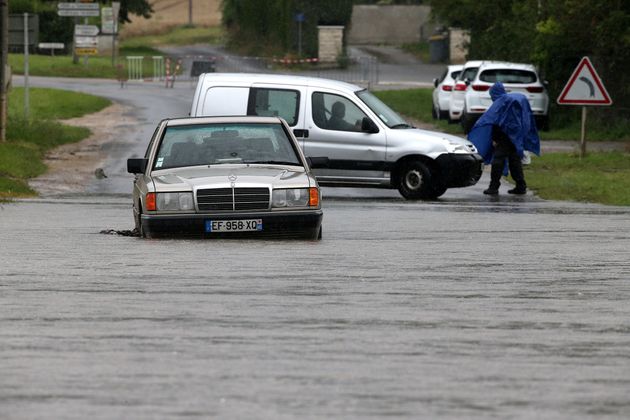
{"points": [[465, 307]]}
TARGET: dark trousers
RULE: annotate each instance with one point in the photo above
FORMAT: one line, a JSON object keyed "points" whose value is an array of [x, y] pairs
{"points": [[505, 149]]}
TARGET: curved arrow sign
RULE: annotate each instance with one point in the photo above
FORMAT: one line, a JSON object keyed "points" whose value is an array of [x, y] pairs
{"points": [[584, 87]]}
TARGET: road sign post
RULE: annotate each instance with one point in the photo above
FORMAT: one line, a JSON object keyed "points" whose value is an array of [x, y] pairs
{"points": [[77, 10], [584, 88]]}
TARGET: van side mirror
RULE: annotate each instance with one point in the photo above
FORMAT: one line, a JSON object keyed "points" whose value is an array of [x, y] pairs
{"points": [[368, 126], [137, 165], [318, 162]]}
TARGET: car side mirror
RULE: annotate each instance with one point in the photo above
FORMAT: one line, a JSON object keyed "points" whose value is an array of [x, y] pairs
{"points": [[137, 165], [435, 82], [368, 126], [318, 162]]}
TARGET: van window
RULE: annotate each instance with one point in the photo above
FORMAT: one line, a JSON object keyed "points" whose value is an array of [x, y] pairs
{"points": [[225, 101], [334, 112], [281, 103]]}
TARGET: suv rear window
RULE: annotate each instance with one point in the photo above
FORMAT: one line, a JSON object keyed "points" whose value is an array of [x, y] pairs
{"points": [[508, 76]]}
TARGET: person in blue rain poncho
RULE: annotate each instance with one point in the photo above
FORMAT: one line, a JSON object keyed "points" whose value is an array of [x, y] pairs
{"points": [[504, 132]]}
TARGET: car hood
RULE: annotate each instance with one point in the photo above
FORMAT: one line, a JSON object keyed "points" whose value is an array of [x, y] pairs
{"points": [[431, 141], [222, 176]]}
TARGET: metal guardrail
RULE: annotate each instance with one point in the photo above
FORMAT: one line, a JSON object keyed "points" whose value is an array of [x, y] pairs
{"points": [[358, 70]]}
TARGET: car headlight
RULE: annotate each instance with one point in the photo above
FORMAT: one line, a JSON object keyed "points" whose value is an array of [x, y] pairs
{"points": [[295, 197], [174, 201], [460, 148]]}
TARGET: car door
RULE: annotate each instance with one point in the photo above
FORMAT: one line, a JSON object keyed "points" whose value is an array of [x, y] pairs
{"points": [[334, 126]]}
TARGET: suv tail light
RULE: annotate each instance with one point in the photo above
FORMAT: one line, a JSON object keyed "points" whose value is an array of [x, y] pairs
{"points": [[460, 87], [447, 88], [535, 89], [481, 88]]}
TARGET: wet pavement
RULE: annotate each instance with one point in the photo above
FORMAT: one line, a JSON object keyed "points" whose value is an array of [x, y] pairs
{"points": [[464, 307]]}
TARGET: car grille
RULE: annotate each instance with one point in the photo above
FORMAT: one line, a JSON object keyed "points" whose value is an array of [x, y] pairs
{"points": [[233, 199]]}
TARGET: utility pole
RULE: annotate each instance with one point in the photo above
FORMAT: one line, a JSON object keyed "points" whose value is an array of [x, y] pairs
{"points": [[4, 68]]}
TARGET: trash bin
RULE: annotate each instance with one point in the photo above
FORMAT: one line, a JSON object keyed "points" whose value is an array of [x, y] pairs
{"points": [[438, 49]]}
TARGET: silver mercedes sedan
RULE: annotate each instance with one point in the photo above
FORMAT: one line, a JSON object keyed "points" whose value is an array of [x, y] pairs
{"points": [[226, 177]]}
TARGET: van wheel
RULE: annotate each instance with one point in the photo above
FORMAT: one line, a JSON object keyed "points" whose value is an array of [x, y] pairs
{"points": [[467, 122], [414, 182]]}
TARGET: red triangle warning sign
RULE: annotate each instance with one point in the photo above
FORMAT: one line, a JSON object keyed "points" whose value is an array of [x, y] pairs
{"points": [[584, 87]]}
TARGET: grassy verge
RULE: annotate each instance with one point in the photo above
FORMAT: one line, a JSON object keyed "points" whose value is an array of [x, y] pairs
{"points": [[180, 35], [418, 49], [417, 103], [21, 156], [102, 66], [598, 178]]}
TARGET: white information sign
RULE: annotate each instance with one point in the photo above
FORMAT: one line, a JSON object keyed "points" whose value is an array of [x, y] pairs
{"points": [[86, 30]]}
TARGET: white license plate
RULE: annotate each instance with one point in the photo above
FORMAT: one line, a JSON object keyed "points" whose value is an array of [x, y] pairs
{"points": [[250, 225]]}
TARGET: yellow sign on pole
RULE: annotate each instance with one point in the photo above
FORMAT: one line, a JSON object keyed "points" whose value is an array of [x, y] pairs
{"points": [[86, 51]]}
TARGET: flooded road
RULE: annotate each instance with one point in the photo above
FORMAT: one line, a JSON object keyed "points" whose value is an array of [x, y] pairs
{"points": [[466, 307], [461, 308]]}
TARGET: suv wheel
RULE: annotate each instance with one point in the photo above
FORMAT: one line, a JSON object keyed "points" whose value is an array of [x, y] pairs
{"points": [[414, 181], [434, 112]]}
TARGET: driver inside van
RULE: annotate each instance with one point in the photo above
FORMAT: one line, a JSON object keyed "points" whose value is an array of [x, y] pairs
{"points": [[337, 120]]}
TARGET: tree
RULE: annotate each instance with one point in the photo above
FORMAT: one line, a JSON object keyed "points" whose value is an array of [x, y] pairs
{"points": [[553, 34], [270, 27], [134, 7]]}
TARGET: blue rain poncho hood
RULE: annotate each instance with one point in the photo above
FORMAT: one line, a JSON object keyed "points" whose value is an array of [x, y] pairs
{"points": [[512, 113]]}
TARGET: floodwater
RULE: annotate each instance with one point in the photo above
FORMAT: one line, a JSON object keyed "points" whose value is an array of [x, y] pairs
{"points": [[406, 310]]}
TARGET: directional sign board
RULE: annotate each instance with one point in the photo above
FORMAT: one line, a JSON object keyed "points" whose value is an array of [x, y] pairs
{"points": [[78, 9], [78, 12], [78, 6], [584, 87], [86, 51], [86, 41], [85, 30]]}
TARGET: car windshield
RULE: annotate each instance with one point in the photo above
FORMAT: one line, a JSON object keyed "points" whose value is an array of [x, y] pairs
{"points": [[216, 144], [508, 76], [384, 113]]}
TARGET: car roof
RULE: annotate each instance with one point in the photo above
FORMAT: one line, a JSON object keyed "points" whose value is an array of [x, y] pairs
{"points": [[455, 67], [283, 79], [507, 65], [222, 120]]}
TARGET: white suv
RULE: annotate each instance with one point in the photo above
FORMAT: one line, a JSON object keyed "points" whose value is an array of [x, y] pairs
{"points": [[456, 106], [516, 77], [443, 90]]}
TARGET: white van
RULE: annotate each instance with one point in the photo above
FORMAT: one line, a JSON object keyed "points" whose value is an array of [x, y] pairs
{"points": [[366, 143]]}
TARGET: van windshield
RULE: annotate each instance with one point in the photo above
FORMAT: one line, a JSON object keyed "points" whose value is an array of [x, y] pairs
{"points": [[385, 113]]}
